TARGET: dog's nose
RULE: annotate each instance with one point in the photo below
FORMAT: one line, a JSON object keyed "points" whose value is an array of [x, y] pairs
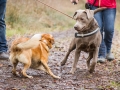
{"points": [[75, 27]]}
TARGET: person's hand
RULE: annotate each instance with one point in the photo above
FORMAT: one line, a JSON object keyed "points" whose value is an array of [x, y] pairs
{"points": [[74, 1]]}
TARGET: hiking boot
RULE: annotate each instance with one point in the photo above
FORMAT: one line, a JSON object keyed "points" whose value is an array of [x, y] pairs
{"points": [[110, 56], [101, 60], [4, 56]]}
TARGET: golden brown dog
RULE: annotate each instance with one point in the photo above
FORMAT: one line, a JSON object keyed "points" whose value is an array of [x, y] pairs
{"points": [[32, 52]]}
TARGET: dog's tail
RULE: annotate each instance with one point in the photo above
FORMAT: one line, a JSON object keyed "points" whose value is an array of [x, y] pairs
{"points": [[99, 9], [31, 43]]}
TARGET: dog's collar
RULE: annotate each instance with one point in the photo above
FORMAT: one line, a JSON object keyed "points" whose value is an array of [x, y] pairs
{"points": [[77, 35]]}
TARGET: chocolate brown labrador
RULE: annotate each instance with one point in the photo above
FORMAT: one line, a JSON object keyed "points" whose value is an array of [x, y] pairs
{"points": [[85, 24]]}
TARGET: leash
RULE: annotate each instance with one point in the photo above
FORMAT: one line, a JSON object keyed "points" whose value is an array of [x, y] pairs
{"points": [[55, 9]]}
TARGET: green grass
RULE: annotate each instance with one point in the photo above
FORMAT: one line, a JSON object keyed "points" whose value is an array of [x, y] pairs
{"points": [[115, 84]]}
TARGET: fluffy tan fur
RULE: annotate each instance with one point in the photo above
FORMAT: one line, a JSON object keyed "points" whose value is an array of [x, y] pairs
{"points": [[32, 52]]}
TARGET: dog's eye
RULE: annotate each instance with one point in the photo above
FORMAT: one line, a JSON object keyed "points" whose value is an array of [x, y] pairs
{"points": [[81, 19], [49, 40]]}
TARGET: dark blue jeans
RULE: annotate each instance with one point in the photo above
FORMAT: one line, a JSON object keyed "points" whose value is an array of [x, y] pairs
{"points": [[3, 42], [106, 20]]}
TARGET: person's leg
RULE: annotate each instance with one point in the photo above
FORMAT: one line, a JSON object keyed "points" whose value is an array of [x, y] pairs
{"points": [[102, 50], [109, 20], [3, 42]]}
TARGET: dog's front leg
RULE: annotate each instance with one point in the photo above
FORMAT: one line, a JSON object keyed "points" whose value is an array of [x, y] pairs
{"points": [[77, 55], [95, 55], [71, 48], [89, 58], [48, 70]]}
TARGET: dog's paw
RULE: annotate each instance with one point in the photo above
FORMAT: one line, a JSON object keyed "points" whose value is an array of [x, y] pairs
{"points": [[91, 70], [62, 63], [15, 73], [30, 77], [57, 77], [72, 71]]}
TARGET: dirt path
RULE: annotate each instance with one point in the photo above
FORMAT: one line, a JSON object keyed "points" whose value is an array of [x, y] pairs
{"points": [[106, 76]]}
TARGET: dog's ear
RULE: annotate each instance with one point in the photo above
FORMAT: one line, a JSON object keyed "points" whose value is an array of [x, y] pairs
{"points": [[77, 13], [90, 16], [90, 13], [74, 16], [52, 41], [49, 39]]}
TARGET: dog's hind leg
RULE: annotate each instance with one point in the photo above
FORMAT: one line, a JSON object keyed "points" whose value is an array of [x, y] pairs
{"points": [[71, 48], [15, 62], [89, 58], [77, 55], [26, 66], [95, 55], [27, 62]]}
